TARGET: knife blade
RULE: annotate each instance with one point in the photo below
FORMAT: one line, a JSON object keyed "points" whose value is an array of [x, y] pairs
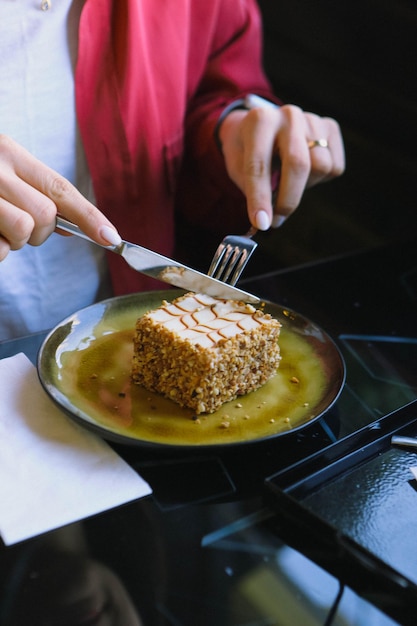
{"points": [[165, 269]]}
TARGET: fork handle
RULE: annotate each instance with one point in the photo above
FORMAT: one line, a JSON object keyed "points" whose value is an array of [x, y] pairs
{"points": [[251, 232]]}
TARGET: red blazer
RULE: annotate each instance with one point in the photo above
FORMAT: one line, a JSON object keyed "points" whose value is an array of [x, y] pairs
{"points": [[151, 79]]}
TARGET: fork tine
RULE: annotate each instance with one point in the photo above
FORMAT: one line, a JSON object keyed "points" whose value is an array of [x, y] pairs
{"points": [[227, 263], [238, 267], [217, 259], [231, 257]]}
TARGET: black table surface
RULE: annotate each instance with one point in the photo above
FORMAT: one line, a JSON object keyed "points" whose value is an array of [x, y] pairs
{"points": [[211, 545]]}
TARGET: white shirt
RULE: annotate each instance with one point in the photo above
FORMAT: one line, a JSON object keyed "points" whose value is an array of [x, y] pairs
{"points": [[39, 286]]}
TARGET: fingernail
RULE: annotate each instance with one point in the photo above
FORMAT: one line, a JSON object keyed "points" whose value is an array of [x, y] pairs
{"points": [[278, 220], [111, 235], [262, 220]]}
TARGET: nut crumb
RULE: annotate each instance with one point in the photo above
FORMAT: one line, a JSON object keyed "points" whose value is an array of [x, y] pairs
{"points": [[225, 424], [246, 417], [306, 404], [239, 405], [294, 379], [287, 420], [272, 421]]}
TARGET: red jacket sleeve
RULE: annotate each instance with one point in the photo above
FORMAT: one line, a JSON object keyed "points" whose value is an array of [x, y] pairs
{"points": [[206, 195]]}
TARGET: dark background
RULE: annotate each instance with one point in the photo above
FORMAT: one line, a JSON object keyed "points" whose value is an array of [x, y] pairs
{"points": [[354, 61]]}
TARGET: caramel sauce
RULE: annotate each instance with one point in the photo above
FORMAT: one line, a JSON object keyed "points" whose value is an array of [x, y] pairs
{"points": [[96, 379]]}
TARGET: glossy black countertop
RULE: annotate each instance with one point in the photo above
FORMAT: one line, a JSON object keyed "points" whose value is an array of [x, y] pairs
{"points": [[211, 545]]}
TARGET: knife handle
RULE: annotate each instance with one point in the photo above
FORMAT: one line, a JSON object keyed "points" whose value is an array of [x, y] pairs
{"points": [[73, 229]]}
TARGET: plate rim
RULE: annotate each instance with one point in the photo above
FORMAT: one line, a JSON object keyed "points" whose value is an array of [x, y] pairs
{"points": [[120, 438]]}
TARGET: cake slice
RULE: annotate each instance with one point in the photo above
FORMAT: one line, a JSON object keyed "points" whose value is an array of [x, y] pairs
{"points": [[201, 351]]}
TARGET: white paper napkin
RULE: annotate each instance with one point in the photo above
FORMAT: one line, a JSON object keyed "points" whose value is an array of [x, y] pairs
{"points": [[52, 471]]}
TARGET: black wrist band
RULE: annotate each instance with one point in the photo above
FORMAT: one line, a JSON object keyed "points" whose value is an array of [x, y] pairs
{"points": [[233, 106], [247, 103]]}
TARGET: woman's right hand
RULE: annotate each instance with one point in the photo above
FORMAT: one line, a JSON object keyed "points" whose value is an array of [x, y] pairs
{"points": [[31, 195]]}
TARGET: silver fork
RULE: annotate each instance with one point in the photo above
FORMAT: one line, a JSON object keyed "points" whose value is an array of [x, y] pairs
{"points": [[231, 257]]}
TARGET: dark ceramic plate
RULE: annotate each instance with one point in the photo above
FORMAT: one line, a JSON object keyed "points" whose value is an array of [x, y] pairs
{"points": [[84, 365]]}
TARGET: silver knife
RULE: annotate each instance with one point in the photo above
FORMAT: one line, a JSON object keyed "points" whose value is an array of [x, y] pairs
{"points": [[165, 269]]}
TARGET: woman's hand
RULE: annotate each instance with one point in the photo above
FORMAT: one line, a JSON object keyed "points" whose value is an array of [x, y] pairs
{"points": [[31, 194], [254, 141]]}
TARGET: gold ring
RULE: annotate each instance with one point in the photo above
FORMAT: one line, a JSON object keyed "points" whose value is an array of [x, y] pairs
{"points": [[317, 143]]}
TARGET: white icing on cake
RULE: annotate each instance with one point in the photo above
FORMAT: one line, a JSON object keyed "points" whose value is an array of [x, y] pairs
{"points": [[204, 321]]}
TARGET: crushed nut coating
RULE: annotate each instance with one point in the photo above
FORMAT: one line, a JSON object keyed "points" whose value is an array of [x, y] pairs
{"points": [[201, 351]]}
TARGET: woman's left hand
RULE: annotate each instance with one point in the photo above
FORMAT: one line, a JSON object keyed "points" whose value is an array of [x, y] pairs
{"points": [[308, 148]]}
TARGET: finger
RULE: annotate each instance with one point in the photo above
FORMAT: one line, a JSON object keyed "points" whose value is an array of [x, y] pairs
{"points": [[326, 149], [295, 160], [321, 161], [337, 148], [4, 248], [57, 195], [257, 158], [16, 225], [28, 216], [69, 202]]}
